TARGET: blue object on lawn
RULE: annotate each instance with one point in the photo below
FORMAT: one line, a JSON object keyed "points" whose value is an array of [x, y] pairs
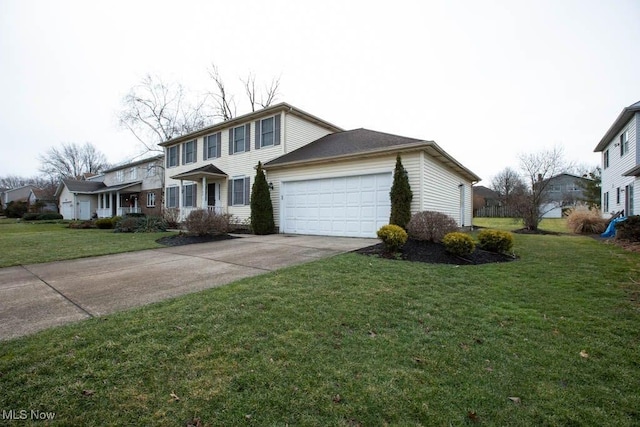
{"points": [[611, 229]]}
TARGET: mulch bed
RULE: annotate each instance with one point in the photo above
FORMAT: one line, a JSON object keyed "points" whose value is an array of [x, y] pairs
{"points": [[185, 239], [434, 253]]}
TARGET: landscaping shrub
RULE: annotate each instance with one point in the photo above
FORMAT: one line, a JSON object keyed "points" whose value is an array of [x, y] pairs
{"points": [[460, 244], [584, 221], [629, 229], [495, 240], [127, 224], [49, 216], [151, 224], [261, 207], [16, 209], [431, 226], [81, 225], [136, 214], [104, 223], [393, 236], [172, 217], [30, 216], [400, 195], [202, 222]]}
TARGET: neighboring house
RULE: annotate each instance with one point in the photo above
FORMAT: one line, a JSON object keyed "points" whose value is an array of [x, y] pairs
{"points": [[134, 187], [19, 194], [487, 196], [563, 191], [621, 163], [323, 180], [42, 201]]}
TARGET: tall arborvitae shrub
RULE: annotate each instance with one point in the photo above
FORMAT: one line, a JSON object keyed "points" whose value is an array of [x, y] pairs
{"points": [[261, 206], [401, 196]]}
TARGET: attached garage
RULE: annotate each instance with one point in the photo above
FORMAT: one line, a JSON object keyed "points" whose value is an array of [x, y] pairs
{"points": [[352, 206]]}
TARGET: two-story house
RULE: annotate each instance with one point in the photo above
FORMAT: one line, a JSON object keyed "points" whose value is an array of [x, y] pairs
{"points": [[621, 163], [563, 191], [323, 180], [134, 187]]}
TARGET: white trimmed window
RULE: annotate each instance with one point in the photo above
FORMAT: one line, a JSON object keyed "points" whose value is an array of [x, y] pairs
{"points": [[151, 200], [120, 175], [212, 146], [624, 143], [133, 173], [239, 139], [172, 197], [606, 158], [189, 195], [172, 156], [189, 152], [267, 132], [239, 191]]}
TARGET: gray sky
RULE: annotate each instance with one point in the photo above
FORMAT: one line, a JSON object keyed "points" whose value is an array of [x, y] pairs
{"points": [[486, 80]]}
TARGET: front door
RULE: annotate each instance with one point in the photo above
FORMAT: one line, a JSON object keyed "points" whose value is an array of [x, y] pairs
{"points": [[211, 194]]}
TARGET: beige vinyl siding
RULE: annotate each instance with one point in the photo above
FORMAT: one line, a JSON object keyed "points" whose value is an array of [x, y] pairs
{"points": [[441, 191], [299, 132], [411, 162]]}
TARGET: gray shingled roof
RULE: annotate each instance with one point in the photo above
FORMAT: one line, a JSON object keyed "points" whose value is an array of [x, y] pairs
{"points": [[361, 142], [626, 115], [357, 141], [77, 186]]}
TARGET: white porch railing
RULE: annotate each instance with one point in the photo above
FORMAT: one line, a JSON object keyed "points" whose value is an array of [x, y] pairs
{"points": [[124, 211], [186, 210], [104, 213], [217, 209]]}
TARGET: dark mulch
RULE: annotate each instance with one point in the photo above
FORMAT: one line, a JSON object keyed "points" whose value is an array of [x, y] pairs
{"points": [[434, 253], [186, 239]]}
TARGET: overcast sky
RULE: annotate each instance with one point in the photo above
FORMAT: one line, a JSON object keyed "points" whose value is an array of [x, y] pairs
{"points": [[486, 80]]}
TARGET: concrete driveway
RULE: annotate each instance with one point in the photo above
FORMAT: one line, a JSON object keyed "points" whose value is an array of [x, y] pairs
{"points": [[38, 296]]}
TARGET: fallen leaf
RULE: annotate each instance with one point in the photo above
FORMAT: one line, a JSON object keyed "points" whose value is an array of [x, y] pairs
{"points": [[473, 416], [337, 398], [489, 369], [196, 422], [88, 392], [372, 334], [248, 416], [417, 360], [174, 396], [515, 400], [584, 354]]}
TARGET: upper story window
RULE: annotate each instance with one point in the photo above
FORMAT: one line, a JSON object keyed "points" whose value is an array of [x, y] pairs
{"points": [[172, 156], [239, 139], [624, 143], [268, 132], [120, 175], [573, 187], [151, 169], [189, 152], [133, 173], [212, 146], [606, 158], [554, 188]]}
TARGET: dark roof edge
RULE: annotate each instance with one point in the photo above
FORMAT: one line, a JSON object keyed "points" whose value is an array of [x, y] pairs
{"points": [[283, 106], [625, 115], [136, 163]]}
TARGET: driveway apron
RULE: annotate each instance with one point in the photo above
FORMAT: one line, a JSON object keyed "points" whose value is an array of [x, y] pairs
{"points": [[39, 296]]}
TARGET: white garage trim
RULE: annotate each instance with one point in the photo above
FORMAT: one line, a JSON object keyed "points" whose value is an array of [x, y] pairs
{"points": [[354, 206]]}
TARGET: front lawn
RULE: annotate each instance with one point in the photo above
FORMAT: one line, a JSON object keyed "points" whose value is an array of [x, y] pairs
{"points": [[33, 242], [556, 225], [550, 339]]}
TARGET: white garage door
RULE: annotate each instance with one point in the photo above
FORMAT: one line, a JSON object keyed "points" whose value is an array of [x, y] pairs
{"points": [[354, 206]]}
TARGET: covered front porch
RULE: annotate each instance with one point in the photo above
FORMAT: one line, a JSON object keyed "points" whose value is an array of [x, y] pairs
{"points": [[208, 182], [119, 200]]}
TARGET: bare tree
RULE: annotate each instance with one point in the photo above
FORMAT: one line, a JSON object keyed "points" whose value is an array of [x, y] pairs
{"points": [[155, 111], [225, 106], [537, 169], [72, 161], [509, 185]]}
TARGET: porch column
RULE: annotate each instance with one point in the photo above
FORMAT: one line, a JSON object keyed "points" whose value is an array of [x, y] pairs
{"points": [[118, 203], [182, 215], [205, 202]]}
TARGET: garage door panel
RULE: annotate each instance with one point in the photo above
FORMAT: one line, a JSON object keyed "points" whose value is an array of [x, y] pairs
{"points": [[344, 206]]}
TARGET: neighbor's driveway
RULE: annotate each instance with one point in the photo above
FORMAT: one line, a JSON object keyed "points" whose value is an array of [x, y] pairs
{"points": [[38, 296]]}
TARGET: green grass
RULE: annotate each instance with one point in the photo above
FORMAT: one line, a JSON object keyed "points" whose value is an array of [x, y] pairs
{"points": [[34, 242], [355, 340], [557, 225]]}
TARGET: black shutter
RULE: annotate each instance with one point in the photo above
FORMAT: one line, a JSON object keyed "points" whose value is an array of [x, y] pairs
{"points": [[247, 137], [219, 144], [258, 134], [230, 193], [230, 141], [276, 130], [205, 145], [184, 149], [195, 150], [247, 191]]}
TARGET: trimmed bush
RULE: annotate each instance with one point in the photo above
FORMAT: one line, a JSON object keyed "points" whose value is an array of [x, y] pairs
{"points": [[401, 196], [261, 207], [583, 221], [495, 240], [49, 216], [151, 224], [126, 224], [172, 217], [16, 209], [202, 222], [460, 244], [629, 229], [104, 223], [136, 214], [81, 225], [30, 216], [393, 236], [431, 226]]}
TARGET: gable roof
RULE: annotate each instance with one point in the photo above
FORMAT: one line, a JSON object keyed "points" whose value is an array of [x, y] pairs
{"points": [[283, 106], [626, 115], [78, 186], [197, 173], [136, 163], [363, 142]]}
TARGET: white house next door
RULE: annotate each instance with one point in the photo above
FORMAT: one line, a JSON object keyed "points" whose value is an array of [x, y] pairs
{"points": [[352, 206]]}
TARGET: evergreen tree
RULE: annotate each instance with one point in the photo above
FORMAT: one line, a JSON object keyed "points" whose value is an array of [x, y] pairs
{"points": [[401, 196], [261, 207]]}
